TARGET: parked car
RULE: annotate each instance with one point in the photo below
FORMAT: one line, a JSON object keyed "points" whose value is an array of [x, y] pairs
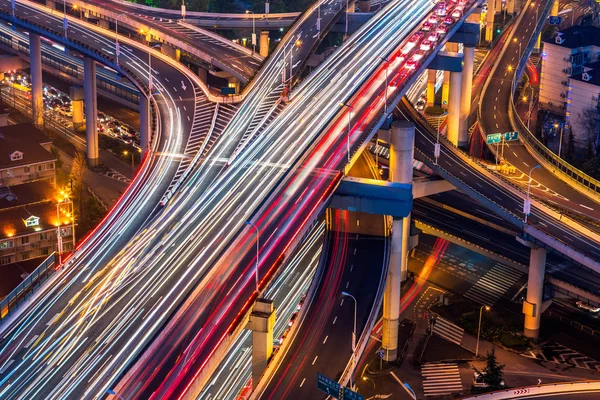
{"points": [[587, 307]]}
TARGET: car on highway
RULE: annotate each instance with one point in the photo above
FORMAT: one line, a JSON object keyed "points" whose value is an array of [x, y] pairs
{"points": [[427, 26], [457, 13], [449, 20], [587, 307], [433, 19], [440, 8], [441, 29], [425, 45], [433, 37]]}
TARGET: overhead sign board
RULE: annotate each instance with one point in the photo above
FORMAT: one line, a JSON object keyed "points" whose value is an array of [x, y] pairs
{"points": [[494, 138], [351, 395], [329, 386], [555, 20], [226, 91]]}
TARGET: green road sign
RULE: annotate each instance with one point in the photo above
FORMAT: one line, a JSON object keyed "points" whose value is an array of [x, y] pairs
{"points": [[494, 138], [511, 136], [329, 386]]}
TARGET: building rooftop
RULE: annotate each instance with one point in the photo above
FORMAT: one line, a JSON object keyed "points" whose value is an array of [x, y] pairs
{"points": [[577, 36], [13, 274], [27, 219], [22, 145], [27, 193]]}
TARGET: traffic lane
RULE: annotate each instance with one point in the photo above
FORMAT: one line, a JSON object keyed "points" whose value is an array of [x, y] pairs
{"points": [[567, 308], [480, 183], [138, 210], [497, 99], [324, 182], [324, 341], [505, 244]]}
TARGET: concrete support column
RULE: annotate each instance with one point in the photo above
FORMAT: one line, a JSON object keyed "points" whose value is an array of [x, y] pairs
{"points": [[51, 4], [401, 158], [554, 10], [465, 97], [454, 108], [77, 97], [37, 85], [384, 135], [445, 89], [262, 321], [497, 6], [234, 83], [431, 78], [145, 126], [532, 308], [510, 6], [264, 43], [538, 44], [203, 74], [489, 25], [91, 110]]}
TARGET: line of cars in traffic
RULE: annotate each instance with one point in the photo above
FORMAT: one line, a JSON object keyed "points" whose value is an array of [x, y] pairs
{"points": [[61, 103]]}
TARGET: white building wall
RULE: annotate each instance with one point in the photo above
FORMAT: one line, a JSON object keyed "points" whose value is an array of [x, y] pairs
{"points": [[583, 96], [554, 62]]}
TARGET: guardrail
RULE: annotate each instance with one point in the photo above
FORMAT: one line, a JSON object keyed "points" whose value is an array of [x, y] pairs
{"points": [[35, 279], [555, 388], [574, 177]]}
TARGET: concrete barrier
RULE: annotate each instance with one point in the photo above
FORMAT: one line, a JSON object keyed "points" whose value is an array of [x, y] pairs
{"points": [[536, 391]]}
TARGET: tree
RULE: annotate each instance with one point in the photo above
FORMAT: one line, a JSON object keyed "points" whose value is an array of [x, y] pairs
{"points": [[492, 373], [587, 124], [77, 171], [570, 153]]}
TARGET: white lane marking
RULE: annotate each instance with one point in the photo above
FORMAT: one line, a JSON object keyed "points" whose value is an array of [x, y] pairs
{"points": [[325, 341], [525, 164], [335, 319], [347, 284], [315, 360], [6, 366], [303, 380], [589, 208], [33, 339], [342, 302], [354, 251]]}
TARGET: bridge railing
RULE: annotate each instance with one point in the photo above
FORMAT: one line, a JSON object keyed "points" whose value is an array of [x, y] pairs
{"points": [[35, 279]]}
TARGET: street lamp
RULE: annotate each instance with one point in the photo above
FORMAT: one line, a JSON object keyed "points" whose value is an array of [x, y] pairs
{"points": [[353, 338], [437, 149], [257, 251], [319, 18], [150, 70], [510, 68], [110, 391], [387, 64], [297, 44], [561, 125], [349, 126], [527, 203], [126, 153], [487, 308], [346, 32], [117, 48], [253, 32]]}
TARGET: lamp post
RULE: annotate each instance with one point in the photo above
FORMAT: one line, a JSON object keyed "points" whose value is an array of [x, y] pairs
{"points": [[117, 48], [387, 64], [65, 21], [257, 251], [561, 125], [319, 18], [150, 68], [110, 391], [126, 153], [527, 203], [437, 149], [346, 31], [349, 126], [487, 308], [253, 32], [353, 338], [297, 44]]}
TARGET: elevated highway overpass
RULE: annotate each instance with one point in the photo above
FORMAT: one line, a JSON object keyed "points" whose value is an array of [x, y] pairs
{"points": [[280, 181], [76, 289]]}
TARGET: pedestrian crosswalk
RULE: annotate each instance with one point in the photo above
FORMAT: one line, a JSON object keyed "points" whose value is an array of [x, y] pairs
{"points": [[493, 284], [440, 379], [447, 330]]}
